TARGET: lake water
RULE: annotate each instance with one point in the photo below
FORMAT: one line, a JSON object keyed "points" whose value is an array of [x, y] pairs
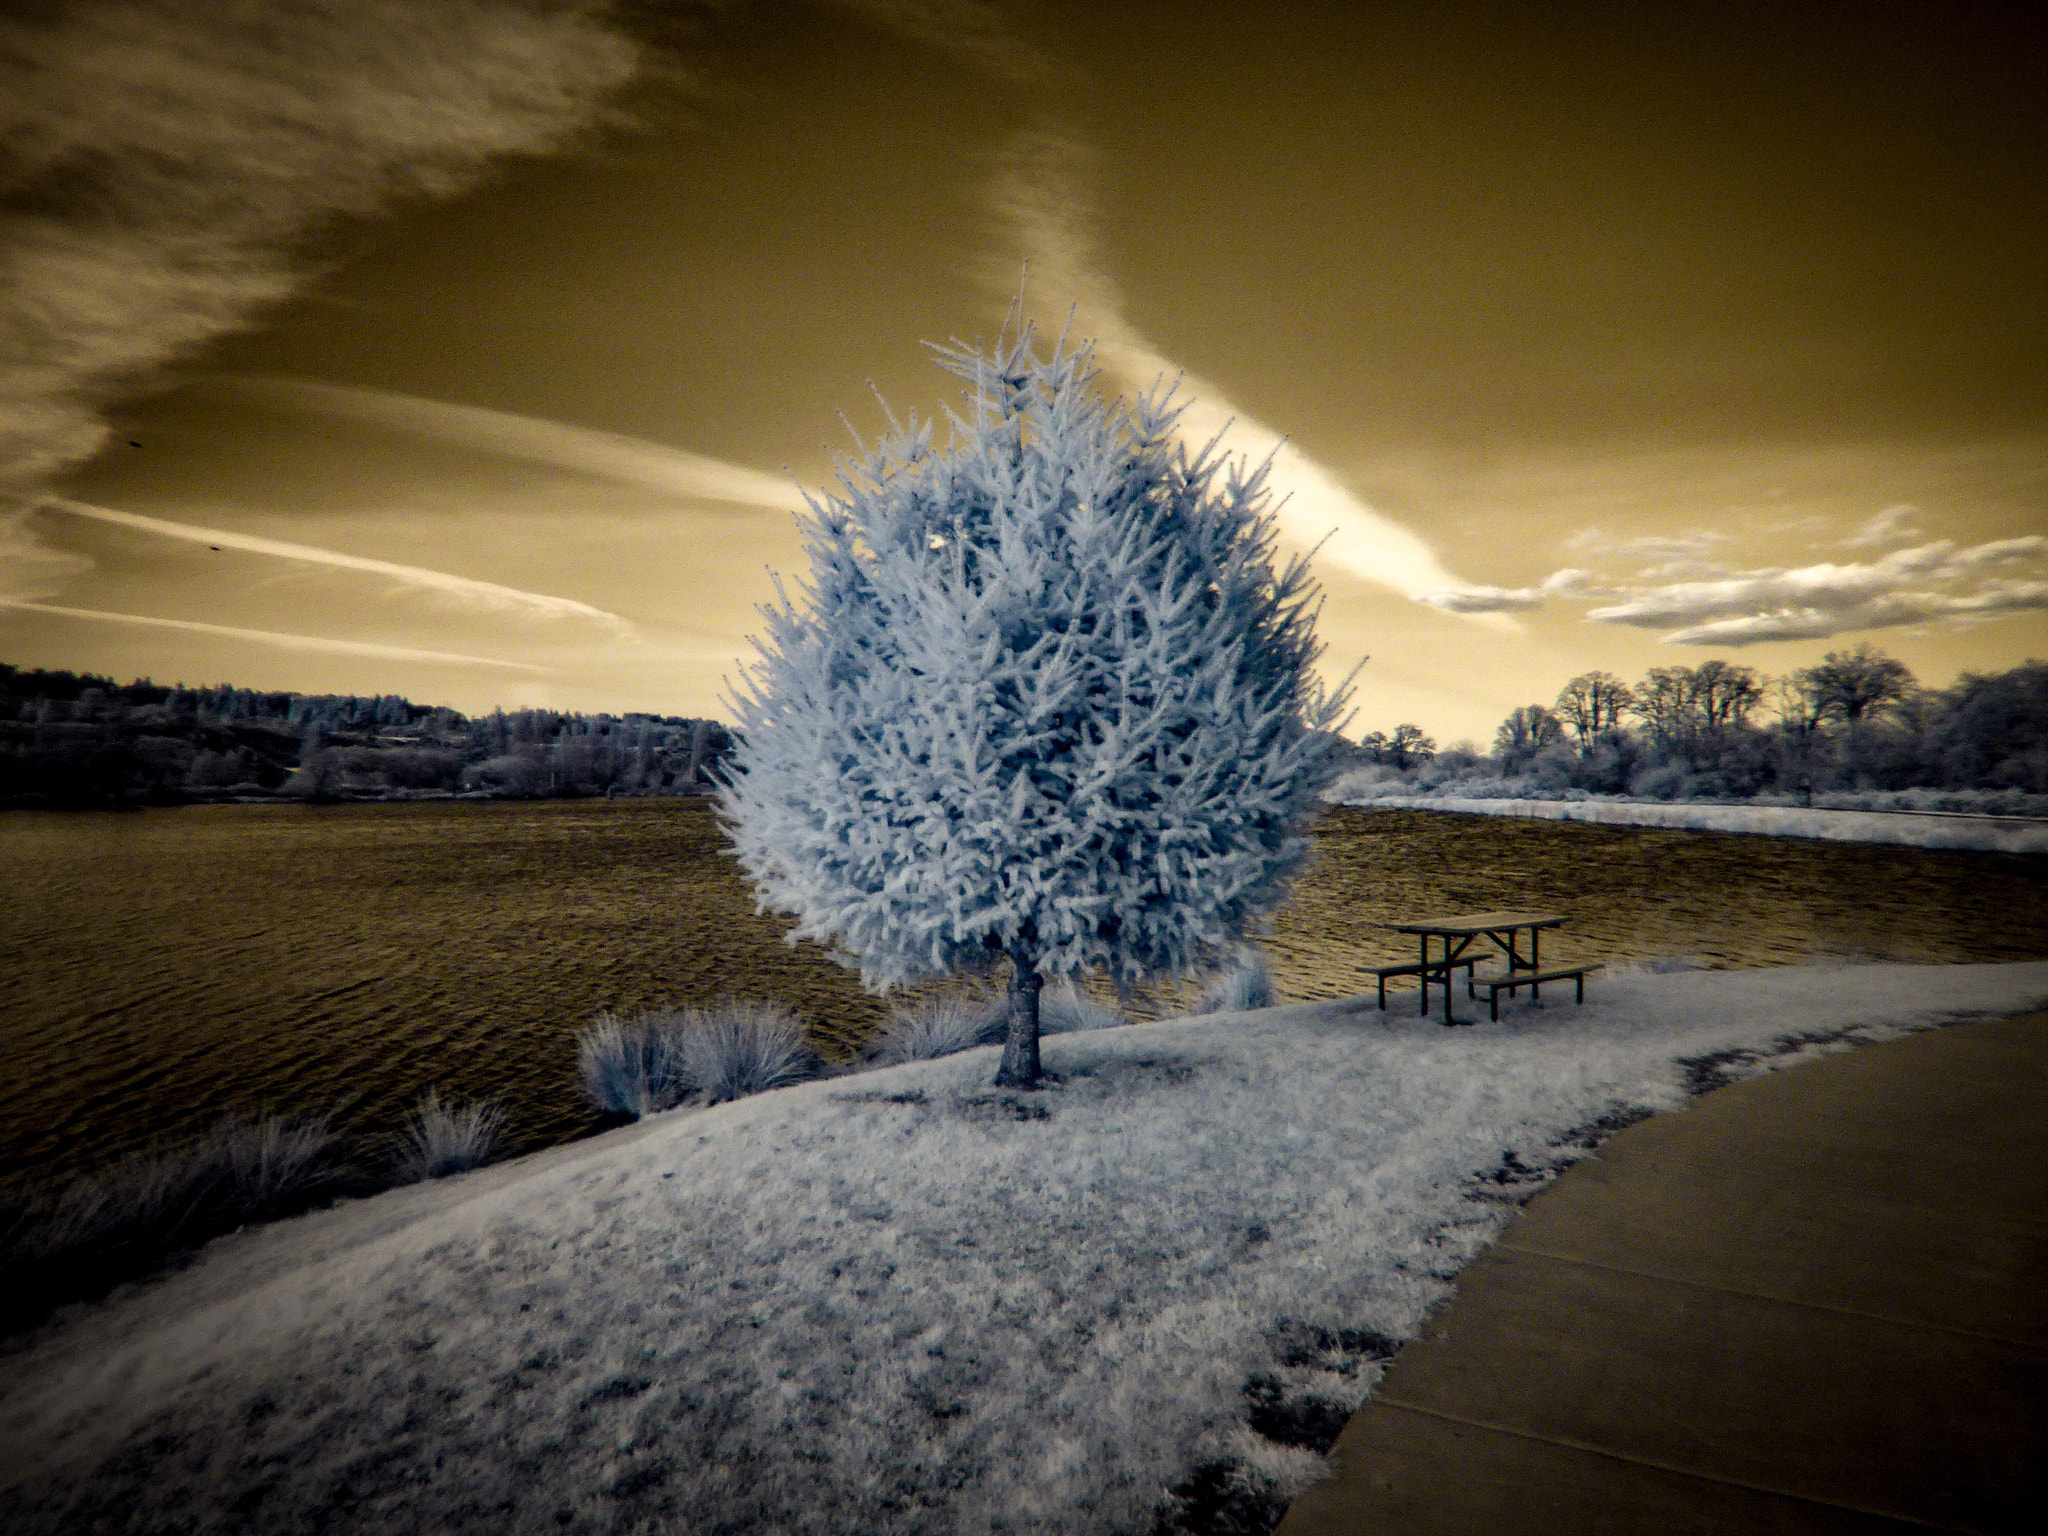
{"points": [[161, 969]]}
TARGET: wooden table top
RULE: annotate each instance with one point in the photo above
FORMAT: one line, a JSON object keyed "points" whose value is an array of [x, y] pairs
{"points": [[1481, 922]]}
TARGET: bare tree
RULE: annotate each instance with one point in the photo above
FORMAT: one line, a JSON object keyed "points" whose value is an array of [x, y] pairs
{"points": [[1525, 732], [1409, 746], [1592, 704], [1694, 710], [1724, 696], [1852, 685], [1663, 703]]}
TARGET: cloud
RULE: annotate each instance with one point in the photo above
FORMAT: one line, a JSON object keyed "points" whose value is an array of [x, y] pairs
{"points": [[1928, 582], [1570, 582], [1042, 196], [282, 641], [1694, 545], [1482, 599], [162, 162], [2000, 552], [1891, 526], [976, 32], [1042, 193], [30, 568], [487, 595], [673, 471]]}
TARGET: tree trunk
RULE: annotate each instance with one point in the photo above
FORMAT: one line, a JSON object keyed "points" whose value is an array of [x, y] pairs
{"points": [[1020, 1068]]}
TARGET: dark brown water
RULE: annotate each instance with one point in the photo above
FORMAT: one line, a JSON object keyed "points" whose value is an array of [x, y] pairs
{"points": [[161, 969]]}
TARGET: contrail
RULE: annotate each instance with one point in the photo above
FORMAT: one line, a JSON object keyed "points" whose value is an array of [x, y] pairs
{"points": [[1038, 196], [488, 594], [1043, 194], [284, 642], [673, 471]]}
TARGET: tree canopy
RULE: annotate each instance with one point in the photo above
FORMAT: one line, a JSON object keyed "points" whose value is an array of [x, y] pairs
{"points": [[1044, 697]]}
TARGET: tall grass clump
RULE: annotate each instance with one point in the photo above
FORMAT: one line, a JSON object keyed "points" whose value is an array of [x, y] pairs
{"points": [[736, 1048], [1063, 1008], [666, 1056], [1246, 983], [635, 1067], [941, 1026], [440, 1139], [99, 1231]]}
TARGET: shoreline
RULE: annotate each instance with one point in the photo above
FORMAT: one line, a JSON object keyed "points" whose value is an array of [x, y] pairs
{"points": [[174, 968], [1953, 831]]}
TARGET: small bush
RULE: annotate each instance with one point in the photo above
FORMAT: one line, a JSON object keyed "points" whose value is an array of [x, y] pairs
{"points": [[440, 1139], [1245, 984], [735, 1048], [940, 1026], [634, 1068], [732, 1049], [101, 1230], [1063, 1008]]}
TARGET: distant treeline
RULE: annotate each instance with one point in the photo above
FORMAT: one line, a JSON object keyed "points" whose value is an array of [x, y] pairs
{"points": [[72, 739], [1856, 721]]}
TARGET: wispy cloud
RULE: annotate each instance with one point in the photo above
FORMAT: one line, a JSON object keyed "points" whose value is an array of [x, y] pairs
{"points": [[29, 567], [160, 161], [1928, 582], [1043, 196], [285, 642], [1569, 582], [611, 455], [1894, 525], [977, 32], [1696, 544], [1482, 599], [1043, 193], [488, 595]]}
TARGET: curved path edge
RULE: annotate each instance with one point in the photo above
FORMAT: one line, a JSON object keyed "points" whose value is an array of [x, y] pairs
{"points": [[1815, 1301]]}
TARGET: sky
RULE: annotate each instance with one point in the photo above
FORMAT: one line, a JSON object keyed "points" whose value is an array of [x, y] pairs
{"points": [[477, 350]]}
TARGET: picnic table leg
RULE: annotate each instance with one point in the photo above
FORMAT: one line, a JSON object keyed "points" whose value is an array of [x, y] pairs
{"points": [[1451, 958], [1423, 976], [1536, 963]]}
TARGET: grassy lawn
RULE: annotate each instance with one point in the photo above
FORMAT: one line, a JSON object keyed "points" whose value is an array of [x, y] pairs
{"points": [[899, 1300]]}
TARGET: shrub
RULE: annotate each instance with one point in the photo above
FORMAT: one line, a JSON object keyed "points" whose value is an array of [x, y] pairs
{"points": [[262, 1165], [940, 1026], [633, 1069], [727, 1051], [1064, 1008], [1247, 983], [101, 1230], [735, 1048], [439, 1139]]}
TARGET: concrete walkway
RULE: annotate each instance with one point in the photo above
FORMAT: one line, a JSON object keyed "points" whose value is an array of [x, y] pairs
{"points": [[1813, 1302]]}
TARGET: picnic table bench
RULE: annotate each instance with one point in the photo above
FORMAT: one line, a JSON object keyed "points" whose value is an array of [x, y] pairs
{"points": [[1458, 935], [1534, 981], [1414, 968]]}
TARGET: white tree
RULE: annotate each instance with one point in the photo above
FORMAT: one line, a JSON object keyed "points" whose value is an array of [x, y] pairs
{"points": [[1044, 697]]}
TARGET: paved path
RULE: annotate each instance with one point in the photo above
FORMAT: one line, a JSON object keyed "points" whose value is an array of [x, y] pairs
{"points": [[1813, 1302]]}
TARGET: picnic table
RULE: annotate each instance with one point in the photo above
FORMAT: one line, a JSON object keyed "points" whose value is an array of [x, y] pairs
{"points": [[1459, 934]]}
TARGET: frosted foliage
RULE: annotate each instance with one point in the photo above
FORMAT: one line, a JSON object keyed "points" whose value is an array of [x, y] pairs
{"points": [[1044, 693]]}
